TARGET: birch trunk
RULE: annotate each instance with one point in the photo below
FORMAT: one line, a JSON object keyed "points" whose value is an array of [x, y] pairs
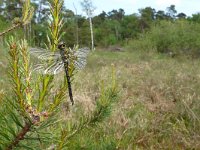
{"points": [[92, 35]]}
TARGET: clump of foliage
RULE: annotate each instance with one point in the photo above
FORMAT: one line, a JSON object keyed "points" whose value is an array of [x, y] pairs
{"points": [[175, 38]]}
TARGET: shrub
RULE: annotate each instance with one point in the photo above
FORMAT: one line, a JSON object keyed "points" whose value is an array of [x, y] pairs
{"points": [[179, 38]]}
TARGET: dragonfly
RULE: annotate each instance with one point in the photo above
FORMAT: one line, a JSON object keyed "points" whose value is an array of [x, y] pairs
{"points": [[55, 62]]}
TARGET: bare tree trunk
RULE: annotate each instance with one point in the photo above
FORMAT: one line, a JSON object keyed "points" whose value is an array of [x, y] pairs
{"points": [[92, 35], [76, 18], [25, 31], [1, 41], [117, 32], [30, 33], [89, 9], [40, 10]]}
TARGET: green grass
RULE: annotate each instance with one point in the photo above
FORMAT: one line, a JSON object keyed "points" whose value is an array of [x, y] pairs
{"points": [[158, 107]]}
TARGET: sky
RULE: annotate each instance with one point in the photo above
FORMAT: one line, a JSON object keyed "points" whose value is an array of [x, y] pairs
{"points": [[188, 7]]}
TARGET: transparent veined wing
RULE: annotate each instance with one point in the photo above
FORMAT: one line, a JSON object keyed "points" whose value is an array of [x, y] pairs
{"points": [[53, 67], [44, 54], [81, 57], [51, 61]]}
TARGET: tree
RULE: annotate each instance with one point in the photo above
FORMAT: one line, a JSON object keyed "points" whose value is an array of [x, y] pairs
{"points": [[160, 15], [88, 8], [76, 21], [42, 10], [147, 16], [181, 16], [99, 19], [195, 18], [102, 15], [116, 14], [10, 9], [171, 12], [129, 27]]}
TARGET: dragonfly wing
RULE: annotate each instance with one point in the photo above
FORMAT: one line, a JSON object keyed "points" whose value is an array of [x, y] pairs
{"points": [[81, 55], [44, 54], [80, 63], [50, 68], [55, 68], [82, 52]]}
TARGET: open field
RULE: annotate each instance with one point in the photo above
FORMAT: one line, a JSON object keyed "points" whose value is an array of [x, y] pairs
{"points": [[158, 106]]}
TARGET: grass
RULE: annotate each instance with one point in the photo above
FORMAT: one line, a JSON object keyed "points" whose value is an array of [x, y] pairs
{"points": [[159, 104]]}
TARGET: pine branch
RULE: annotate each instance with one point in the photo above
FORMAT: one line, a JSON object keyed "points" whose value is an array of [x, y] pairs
{"points": [[20, 136], [10, 29], [15, 71], [26, 71], [56, 24], [20, 75]]}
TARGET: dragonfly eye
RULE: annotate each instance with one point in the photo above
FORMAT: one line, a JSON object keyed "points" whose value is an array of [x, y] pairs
{"points": [[61, 45]]}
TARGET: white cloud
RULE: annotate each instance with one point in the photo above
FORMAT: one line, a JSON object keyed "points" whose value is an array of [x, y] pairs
{"points": [[167, 2]]}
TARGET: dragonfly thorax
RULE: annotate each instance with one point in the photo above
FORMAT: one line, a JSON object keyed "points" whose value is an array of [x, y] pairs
{"points": [[63, 51]]}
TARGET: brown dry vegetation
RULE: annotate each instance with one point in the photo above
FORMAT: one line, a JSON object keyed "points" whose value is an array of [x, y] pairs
{"points": [[159, 102]]}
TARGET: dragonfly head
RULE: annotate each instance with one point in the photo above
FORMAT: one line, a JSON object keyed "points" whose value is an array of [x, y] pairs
{"points": [[61, 45]]}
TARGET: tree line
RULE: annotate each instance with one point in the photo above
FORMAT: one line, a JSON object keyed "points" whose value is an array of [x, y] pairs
{"points": [[113, 27]]}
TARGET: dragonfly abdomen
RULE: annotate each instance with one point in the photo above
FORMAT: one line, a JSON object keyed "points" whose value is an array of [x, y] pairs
{"points": [[66, 65], [65, 60]]}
